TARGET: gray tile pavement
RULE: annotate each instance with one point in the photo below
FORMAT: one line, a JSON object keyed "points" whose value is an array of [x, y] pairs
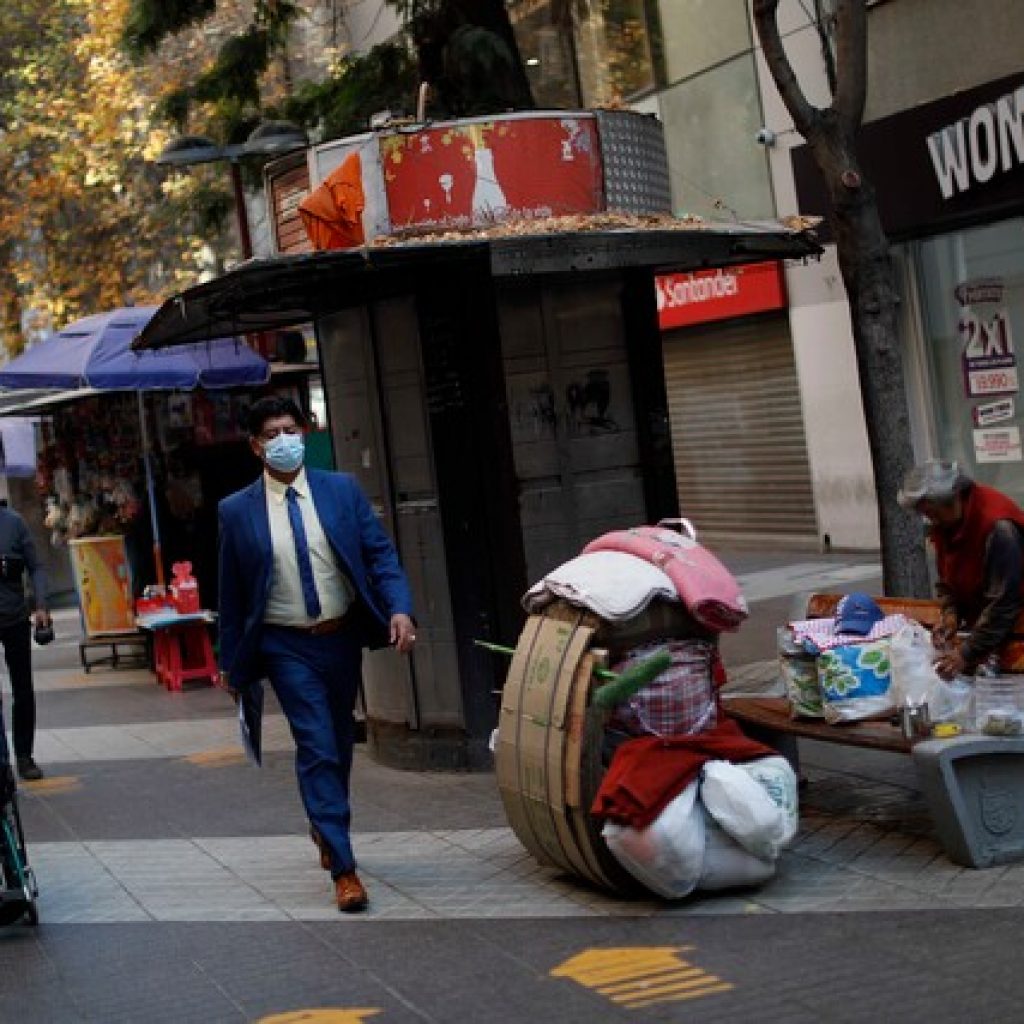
{"points": [[149, 813]]}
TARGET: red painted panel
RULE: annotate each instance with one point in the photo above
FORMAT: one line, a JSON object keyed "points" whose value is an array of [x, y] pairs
{"points": [[488, 171]]}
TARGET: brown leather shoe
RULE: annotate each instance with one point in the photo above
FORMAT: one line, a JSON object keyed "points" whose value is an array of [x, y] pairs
{"points": [[325, 854], [349, 893]]}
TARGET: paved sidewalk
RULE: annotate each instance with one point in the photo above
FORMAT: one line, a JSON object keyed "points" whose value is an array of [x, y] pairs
{"points": [[200, 871], [442, 849]]}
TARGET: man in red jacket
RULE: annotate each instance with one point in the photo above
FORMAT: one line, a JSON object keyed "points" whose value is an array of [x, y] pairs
{"points": [[978, 534]]}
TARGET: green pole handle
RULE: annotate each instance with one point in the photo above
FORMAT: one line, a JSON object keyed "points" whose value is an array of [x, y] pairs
{"points": [[636, 677], [617, 687]]}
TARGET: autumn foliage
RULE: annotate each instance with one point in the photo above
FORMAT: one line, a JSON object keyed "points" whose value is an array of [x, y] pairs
{"points": [[87, 222]]}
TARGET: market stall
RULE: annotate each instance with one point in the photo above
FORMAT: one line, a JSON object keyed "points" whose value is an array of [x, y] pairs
{"points": [[134, 452]]}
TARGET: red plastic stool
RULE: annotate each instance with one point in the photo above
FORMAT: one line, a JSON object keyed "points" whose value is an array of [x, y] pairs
{"points": [[183, 653]]}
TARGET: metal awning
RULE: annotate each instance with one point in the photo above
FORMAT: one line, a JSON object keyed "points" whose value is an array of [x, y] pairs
{"points": [[268, 294]]}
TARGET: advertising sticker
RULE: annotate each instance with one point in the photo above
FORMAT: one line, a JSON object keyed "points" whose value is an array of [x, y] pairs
{"points": [[989, 358], [998, 444], [999, 411]]}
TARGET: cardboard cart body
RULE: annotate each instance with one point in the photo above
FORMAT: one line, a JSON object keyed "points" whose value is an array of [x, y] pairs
{"points": [[502, 401]]}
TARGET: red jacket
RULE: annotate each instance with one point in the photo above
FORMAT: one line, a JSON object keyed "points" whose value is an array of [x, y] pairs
{"points": [[960, 556]]}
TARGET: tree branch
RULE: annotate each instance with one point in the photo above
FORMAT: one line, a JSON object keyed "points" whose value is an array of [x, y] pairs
{"points": [[851, 63], [823, 24], [805, 116]]}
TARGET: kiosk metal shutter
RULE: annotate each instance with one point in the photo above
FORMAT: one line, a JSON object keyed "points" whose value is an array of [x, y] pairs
{"points": [[742, 472]]}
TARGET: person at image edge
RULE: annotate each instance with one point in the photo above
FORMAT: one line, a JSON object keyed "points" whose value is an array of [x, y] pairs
{"points": [[307, 578], [18, 557], [978, 534]]}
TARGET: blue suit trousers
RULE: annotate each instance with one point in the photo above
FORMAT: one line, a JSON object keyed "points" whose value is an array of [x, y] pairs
{"points": [[316, 679]]}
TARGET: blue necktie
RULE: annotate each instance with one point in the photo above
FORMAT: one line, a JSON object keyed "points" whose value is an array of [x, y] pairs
{"points": [[309, 594]]}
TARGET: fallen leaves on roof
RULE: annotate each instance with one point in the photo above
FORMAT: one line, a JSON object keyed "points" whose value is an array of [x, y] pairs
{"points": [[514, 227], [800, 222], [566, 224]]}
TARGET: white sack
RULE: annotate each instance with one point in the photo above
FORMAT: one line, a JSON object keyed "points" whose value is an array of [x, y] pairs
{"points": [[779, 781], [667, 856], [912, 655], [728, 865], [743, 808]]}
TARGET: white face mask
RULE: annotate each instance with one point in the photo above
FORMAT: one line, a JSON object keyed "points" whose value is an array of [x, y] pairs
{"points": [[285, 453]]}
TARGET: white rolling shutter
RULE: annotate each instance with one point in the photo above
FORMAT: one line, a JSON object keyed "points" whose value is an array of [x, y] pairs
{"points": [[742, 473]]}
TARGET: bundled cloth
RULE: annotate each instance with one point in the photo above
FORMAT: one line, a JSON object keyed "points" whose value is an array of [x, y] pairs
{"points": [[705, 586], [726, 830], [680, 700], [646, 773], [614, 585], [817, 635]]}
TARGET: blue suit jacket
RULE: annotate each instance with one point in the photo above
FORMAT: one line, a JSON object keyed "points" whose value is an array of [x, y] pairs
{"points": [[363, 550]]}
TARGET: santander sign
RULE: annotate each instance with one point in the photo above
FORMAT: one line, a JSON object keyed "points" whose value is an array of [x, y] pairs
{"points": [[706, 295]]}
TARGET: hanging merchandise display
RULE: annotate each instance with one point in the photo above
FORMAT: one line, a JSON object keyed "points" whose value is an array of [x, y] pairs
{"points": [[94, 481], [95, 353], [88, 470]]}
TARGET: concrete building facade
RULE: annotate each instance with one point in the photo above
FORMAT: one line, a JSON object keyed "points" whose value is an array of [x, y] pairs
{"points": [[767, 401]]}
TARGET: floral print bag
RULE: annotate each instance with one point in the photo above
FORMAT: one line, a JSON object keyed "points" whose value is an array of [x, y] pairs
{"points": [[856, 681]]}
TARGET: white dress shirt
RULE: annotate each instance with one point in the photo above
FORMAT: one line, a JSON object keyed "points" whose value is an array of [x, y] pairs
{"points": [[286, 605]]}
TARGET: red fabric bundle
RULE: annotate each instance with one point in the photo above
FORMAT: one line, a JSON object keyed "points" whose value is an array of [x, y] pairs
{"points": [[648, 772]]}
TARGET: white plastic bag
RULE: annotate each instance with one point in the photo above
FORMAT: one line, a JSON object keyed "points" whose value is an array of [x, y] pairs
{"points": [[912, 653], [953, 702], [779, 781], [668, 855], [742, 806], [728, 865]]}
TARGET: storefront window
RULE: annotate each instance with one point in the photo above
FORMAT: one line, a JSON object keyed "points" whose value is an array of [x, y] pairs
{"points": [[716, 168], [584, 52], [972, 296], [543, 33], [698, 34], [613, 50]]}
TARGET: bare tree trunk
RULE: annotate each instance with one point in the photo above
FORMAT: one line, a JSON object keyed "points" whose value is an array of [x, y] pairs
{"points": [[868, 274]]}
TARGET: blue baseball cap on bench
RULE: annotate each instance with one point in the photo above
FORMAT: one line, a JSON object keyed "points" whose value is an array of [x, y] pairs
{"points": [[856, 613]]}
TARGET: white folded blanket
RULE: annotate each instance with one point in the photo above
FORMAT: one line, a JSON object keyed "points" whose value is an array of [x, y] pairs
{"points": [[611, 584]]}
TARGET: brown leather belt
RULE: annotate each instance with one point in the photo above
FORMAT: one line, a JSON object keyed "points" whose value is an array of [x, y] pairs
{"points": [[321, 628]]}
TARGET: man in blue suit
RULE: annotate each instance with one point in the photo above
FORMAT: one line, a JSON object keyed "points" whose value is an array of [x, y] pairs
{"points": [[307, 579]]}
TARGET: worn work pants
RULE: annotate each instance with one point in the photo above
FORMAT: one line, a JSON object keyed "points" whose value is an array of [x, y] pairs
{"points": [[316, 679], [17, 643]]}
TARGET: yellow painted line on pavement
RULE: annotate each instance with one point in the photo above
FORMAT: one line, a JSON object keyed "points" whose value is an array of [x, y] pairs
{"points": [[216, 758], [638, 977], [324, 1015], [52, 785]]}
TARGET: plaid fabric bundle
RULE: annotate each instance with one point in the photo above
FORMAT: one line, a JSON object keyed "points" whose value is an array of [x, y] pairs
{"points": [[680, 702], [819, 634]]}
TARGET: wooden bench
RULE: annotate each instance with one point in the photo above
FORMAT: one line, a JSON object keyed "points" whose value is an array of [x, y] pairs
{"points": [[769, 716], [974, 784]]}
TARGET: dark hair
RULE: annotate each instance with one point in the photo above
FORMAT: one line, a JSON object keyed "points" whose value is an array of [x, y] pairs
{"points": [[270, 408]]}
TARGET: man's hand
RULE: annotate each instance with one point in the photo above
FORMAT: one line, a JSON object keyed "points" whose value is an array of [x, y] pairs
{"points": [[41, 618], [403, 633], [944, 631], [224, 682], [950, 664]]}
